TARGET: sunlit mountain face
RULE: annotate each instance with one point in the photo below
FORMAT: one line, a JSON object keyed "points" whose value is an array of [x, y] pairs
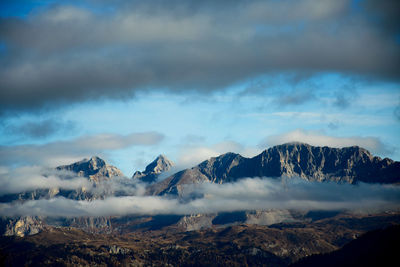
{"points": [[200, 133]]}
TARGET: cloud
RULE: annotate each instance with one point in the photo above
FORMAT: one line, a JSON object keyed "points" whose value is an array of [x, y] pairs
{"points": [[63, 152], [386, 14], [30, 178], [39, 129], [315, 138], [70, 53], [266, 193], [295, 97]]}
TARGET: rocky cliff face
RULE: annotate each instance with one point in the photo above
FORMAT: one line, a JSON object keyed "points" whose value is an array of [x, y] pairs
{"points": [[196, 222], [92, 224], [22, 226], [154, 169], [350, 165]]}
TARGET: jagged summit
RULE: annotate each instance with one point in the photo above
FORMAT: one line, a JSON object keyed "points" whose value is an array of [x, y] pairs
{"points": [[94, 168], [159, 165], [303, 145], [93, 163], [154, 169]]}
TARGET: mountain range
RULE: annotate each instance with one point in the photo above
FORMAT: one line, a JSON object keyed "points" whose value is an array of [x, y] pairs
{"points": [[350, 165], [342, 165]]}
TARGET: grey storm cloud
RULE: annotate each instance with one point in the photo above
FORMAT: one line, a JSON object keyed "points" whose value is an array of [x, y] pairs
{"points": [[266, 194], [62, 152], [66, 53]]}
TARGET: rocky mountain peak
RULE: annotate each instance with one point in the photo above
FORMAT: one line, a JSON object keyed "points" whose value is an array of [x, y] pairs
{"points": [[159, 165], [96, 163], [154, 169], [93, 168]]}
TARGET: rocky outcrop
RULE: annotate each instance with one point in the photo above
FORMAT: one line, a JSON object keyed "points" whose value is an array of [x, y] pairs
{"points": [[114, 249], [268, 217], [22, 226], [196, 222], [154, 169], [349, 165]]}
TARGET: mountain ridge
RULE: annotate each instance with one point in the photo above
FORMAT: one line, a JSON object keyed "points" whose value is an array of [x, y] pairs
{"points": [[349, 164]]}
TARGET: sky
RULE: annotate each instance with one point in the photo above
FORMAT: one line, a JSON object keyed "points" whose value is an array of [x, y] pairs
{"points": [[129, 80]]}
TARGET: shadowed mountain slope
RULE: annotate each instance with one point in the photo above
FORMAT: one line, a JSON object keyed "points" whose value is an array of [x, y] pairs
{"points": [[375, 248]]}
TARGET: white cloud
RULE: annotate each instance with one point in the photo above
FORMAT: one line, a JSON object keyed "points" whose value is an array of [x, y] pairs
{"points": [[30, 178]]}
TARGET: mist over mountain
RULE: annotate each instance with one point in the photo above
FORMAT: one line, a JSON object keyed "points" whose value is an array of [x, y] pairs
{"points": [[291, 176], [93, 178]]}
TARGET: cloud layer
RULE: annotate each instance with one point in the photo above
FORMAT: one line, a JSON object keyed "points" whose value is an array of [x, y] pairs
{"points": [[266, 193], [69, 53], [25, 179]]}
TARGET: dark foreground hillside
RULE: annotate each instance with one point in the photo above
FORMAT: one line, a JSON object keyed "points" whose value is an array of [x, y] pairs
{"points": [[376, 248], [240, 245]]}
